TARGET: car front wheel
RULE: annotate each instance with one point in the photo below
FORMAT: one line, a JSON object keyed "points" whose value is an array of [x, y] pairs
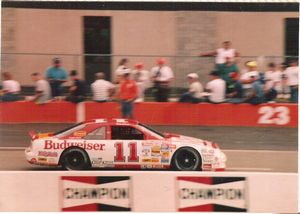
{"points": [[186, 159], [75, 159]]}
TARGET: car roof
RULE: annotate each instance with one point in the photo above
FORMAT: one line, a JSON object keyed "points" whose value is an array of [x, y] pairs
{"points": [[113, 121]]}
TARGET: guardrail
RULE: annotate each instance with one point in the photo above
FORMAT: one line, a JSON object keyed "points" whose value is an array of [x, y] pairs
{"points": [[149, 191], [153, 113]]}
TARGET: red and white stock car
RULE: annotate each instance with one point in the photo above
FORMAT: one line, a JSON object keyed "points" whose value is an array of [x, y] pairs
{"points": [[122, 143]]}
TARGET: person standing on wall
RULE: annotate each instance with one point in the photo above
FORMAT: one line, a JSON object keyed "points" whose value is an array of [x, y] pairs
{"points": [[127, 94], [162, 76], [141, 77], [222, 53], [56, 76]]}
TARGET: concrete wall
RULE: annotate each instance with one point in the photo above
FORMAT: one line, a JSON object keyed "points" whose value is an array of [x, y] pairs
{"points": [[138, 33]]}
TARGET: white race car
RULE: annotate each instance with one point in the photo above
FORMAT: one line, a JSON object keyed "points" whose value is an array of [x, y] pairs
{"points": [[122, 143]]}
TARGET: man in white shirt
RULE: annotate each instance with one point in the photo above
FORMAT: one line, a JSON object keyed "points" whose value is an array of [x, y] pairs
{"points": [[102, 90], [216, 87], [194, 94], [161, 77], [11, 88], [141, 77], [292, 73], [272, 79], [42, 89], [247, 78], [222, 53]]}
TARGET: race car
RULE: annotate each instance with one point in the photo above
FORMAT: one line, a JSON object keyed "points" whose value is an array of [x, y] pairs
{"points": [[122, 143]]}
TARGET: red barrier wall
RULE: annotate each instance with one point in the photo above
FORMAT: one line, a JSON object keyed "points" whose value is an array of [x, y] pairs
{"points": [[29, 112], [281, 115], [172, 113]]}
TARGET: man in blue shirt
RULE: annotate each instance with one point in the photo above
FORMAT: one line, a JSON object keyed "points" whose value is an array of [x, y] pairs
{"points": [[256, 96], [56, 75]]}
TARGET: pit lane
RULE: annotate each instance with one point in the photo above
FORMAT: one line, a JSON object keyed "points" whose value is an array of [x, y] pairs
{"points": [[247, 149]]}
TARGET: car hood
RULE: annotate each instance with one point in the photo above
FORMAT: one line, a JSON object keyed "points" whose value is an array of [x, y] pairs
{"points": [[186, 139]]}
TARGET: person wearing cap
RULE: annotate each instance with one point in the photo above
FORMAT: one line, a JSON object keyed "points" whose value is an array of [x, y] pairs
{"points": [[222, 53], [195, 90], [10, 88], [102, 89], [292, 73], [123, 65], [127, 93], [216, 87], [246, 78], [56, 76], [234, 91], [42, 89], [162, 76], [77, 90], [141, 77]]}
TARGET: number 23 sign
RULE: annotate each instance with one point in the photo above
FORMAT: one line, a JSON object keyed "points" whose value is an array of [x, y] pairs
{"points": [[279, 115]]}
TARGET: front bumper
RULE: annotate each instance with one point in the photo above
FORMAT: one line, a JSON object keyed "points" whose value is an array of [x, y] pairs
{"points": [[30, 156]]}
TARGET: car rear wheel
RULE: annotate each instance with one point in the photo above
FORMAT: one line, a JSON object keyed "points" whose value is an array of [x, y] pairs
{"points": [[75, 159], [186, 159]]}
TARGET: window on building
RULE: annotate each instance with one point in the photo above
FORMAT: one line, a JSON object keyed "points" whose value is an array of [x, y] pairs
{"points": [[291, 36], [97, 40], [126, 133]]}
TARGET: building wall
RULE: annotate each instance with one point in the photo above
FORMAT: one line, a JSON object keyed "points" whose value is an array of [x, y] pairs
{"points": [[157, 33]]}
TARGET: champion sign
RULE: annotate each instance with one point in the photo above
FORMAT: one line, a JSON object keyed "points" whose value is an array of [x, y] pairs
{"points": [[91, 193], [212, 194]]}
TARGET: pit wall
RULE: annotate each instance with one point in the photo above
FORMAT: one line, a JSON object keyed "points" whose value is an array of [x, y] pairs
{"points": [[149, 191], [152, 113]]}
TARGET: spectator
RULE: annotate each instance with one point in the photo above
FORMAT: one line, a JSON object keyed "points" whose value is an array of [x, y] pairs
{"points": [[256, 93], [11, 88], [227, 68], [141, 76], [128, 93], [102, 90], [272, 82], [234, 91], [195, 90], [56, 75], [161, 77], [123, 65], [292, 79], [284, 84], [246, 78], [216, 87], [77, 90], [222, 53], [42, 89]]}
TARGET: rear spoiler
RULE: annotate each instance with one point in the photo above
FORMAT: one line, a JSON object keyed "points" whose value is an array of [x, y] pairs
{"points": [[33, 135]]}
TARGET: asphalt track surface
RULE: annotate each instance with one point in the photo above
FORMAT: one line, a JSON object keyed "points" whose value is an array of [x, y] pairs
{"points": [[247, 149]]}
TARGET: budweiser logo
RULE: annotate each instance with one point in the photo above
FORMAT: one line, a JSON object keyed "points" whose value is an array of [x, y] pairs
{"points": [[49, 144]]}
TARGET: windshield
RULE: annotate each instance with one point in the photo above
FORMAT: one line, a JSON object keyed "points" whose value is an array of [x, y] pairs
{"points": [[69, 130], [152, 130]]}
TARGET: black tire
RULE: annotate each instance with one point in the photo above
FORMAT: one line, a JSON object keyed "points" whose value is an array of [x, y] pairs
{"points": [[75, 159], [186, 159]]}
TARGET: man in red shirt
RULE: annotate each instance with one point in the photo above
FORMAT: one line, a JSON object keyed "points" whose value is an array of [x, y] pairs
{"points": [[128, 93]]}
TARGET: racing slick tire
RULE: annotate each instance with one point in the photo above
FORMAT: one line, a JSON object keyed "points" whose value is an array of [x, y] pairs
{"points": [[75, 159], [186, 159]]}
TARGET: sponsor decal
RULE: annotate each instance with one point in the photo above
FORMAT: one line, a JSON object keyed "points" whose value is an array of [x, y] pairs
{"points": [[98, 162], [146, 152], [42, 159], [165, 157], [147, 160], [47, 154], [155, 160], [79, 134], [212, 194], [155, 151], [49, 144], [95, 193], [164, 148]]}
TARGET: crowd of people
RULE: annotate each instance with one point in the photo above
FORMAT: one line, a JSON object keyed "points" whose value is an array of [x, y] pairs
{"points": [[227, 83]]}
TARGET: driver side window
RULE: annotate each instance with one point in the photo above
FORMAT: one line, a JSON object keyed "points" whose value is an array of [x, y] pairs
{"points": [[126, 133], [97, 134]]}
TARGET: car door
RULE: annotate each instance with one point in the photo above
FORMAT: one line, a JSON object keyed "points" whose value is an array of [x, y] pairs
{"points": [[127, 141], [101, 152]]}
